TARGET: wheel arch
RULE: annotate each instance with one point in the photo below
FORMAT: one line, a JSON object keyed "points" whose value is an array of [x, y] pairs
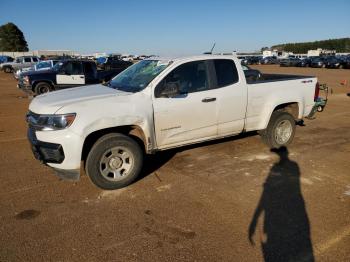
{"points": [[36, 82], [292, 108], [134, 131]]}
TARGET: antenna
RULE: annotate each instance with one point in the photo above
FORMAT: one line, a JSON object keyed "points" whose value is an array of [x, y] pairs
{"points": [[211, 51]]}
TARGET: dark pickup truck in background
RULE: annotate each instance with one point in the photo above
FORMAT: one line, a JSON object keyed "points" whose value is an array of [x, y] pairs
{"points": [[65, 74]]}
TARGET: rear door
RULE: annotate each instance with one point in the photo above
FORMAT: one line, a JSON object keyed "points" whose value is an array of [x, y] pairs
{"points": [[231, 97], [72, 74], [90, 73], [191, 115]]}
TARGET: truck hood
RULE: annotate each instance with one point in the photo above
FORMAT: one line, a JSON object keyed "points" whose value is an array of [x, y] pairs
{"points": [[42, 72], [51, 102]]}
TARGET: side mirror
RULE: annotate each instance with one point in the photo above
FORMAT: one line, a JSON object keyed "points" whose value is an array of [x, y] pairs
{"points": [[171, 90]]}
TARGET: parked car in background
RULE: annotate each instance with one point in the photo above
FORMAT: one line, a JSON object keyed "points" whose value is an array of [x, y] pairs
{"points": [[291, 61], [5, 59], [304, 62], [334, 62], [65, 74], [346, 62], [251, 75], [42, 65], [20, 62], [112, 63], [318, 62], [251, 60], [270, 60]]}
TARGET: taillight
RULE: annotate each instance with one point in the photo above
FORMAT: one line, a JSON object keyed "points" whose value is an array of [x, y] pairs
{"points": [[317, 91]]}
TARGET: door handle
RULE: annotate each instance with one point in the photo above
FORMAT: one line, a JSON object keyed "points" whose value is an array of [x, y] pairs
{"points": [[208, 99], [82, 77]]}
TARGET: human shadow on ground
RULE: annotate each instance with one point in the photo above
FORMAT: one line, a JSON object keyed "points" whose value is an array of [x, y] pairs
{"points": [[286, 227]]}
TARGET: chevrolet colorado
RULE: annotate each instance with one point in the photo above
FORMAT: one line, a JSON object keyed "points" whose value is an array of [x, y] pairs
{"points": [[158, 104]]}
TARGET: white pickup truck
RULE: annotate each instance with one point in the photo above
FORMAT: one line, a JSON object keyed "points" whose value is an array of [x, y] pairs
{"points": [[158, 104]]}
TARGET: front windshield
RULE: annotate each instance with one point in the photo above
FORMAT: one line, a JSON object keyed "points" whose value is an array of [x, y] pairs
{"points": [[138, 76]]}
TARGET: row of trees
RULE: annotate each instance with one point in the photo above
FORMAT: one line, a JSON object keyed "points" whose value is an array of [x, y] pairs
{"points": [[12, 39], [340, 45]]}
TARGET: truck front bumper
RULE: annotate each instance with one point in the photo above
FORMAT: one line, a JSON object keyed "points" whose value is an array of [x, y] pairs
{"points": [[25, 88], [43, 151], [64, 157]]}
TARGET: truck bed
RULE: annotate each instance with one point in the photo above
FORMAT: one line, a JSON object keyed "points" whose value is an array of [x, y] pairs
{"points": [[264, 78]]}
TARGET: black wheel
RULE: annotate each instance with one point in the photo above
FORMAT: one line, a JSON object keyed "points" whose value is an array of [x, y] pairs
{"points": [[42, 88], [8, 69], [280, 131], [114, 161], [319, 108]]}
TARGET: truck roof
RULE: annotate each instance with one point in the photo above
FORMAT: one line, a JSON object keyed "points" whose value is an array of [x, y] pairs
{"points": [[195, 57]]}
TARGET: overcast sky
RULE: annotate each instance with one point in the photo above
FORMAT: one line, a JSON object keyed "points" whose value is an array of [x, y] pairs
{"points": [[176, 27]]}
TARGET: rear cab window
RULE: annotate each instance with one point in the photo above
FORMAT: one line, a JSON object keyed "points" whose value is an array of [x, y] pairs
{"points": [[226, 72]]}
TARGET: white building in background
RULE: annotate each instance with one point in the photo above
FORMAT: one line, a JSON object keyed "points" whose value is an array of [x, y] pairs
{"points": [[276, 53], [40, 53], [320, 51]]}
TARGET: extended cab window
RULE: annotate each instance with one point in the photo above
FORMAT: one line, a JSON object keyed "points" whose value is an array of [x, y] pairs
{"points": [[226, 72], [27, 60], [188, 78], [35, 59], [73, 68]]}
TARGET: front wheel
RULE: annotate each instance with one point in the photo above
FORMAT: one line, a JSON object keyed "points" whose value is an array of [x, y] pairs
{"points": [[114, 161], [42, 88], [280, 131], [7, 69]]}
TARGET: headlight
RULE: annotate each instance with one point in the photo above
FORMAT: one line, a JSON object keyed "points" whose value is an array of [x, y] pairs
{"points": [[26, 79], [50, 122]]}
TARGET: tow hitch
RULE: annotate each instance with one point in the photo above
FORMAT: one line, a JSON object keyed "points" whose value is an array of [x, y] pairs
{"points": [[320, 102]]}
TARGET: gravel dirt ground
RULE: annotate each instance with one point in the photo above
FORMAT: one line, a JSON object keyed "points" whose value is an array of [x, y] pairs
{"points": [[229, 200]]}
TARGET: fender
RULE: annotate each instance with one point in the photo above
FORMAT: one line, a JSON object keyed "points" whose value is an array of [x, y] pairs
{"points": [[119, 123], [271, 108], [36, 81]]}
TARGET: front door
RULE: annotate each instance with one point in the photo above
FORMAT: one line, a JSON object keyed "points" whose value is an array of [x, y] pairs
{"points": [[72, 74], [190, 115]]}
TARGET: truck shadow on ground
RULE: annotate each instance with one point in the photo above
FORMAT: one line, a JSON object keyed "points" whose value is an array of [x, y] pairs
{"points": [[286, 228], [154, 162]]}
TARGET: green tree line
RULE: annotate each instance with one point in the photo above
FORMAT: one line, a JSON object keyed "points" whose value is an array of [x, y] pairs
{"points": [[12, 39], [340, 45]]}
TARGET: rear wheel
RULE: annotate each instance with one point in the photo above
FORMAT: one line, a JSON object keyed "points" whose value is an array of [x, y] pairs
{"points": [[114, 161], [280, 131], [42, 88], [7, 69]]}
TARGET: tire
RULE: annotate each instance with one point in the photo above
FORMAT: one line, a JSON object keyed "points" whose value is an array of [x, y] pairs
{"points": [[42, 88], [8, 69], [341, 67], [280, 131], [108, 168], [319, 108]]}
